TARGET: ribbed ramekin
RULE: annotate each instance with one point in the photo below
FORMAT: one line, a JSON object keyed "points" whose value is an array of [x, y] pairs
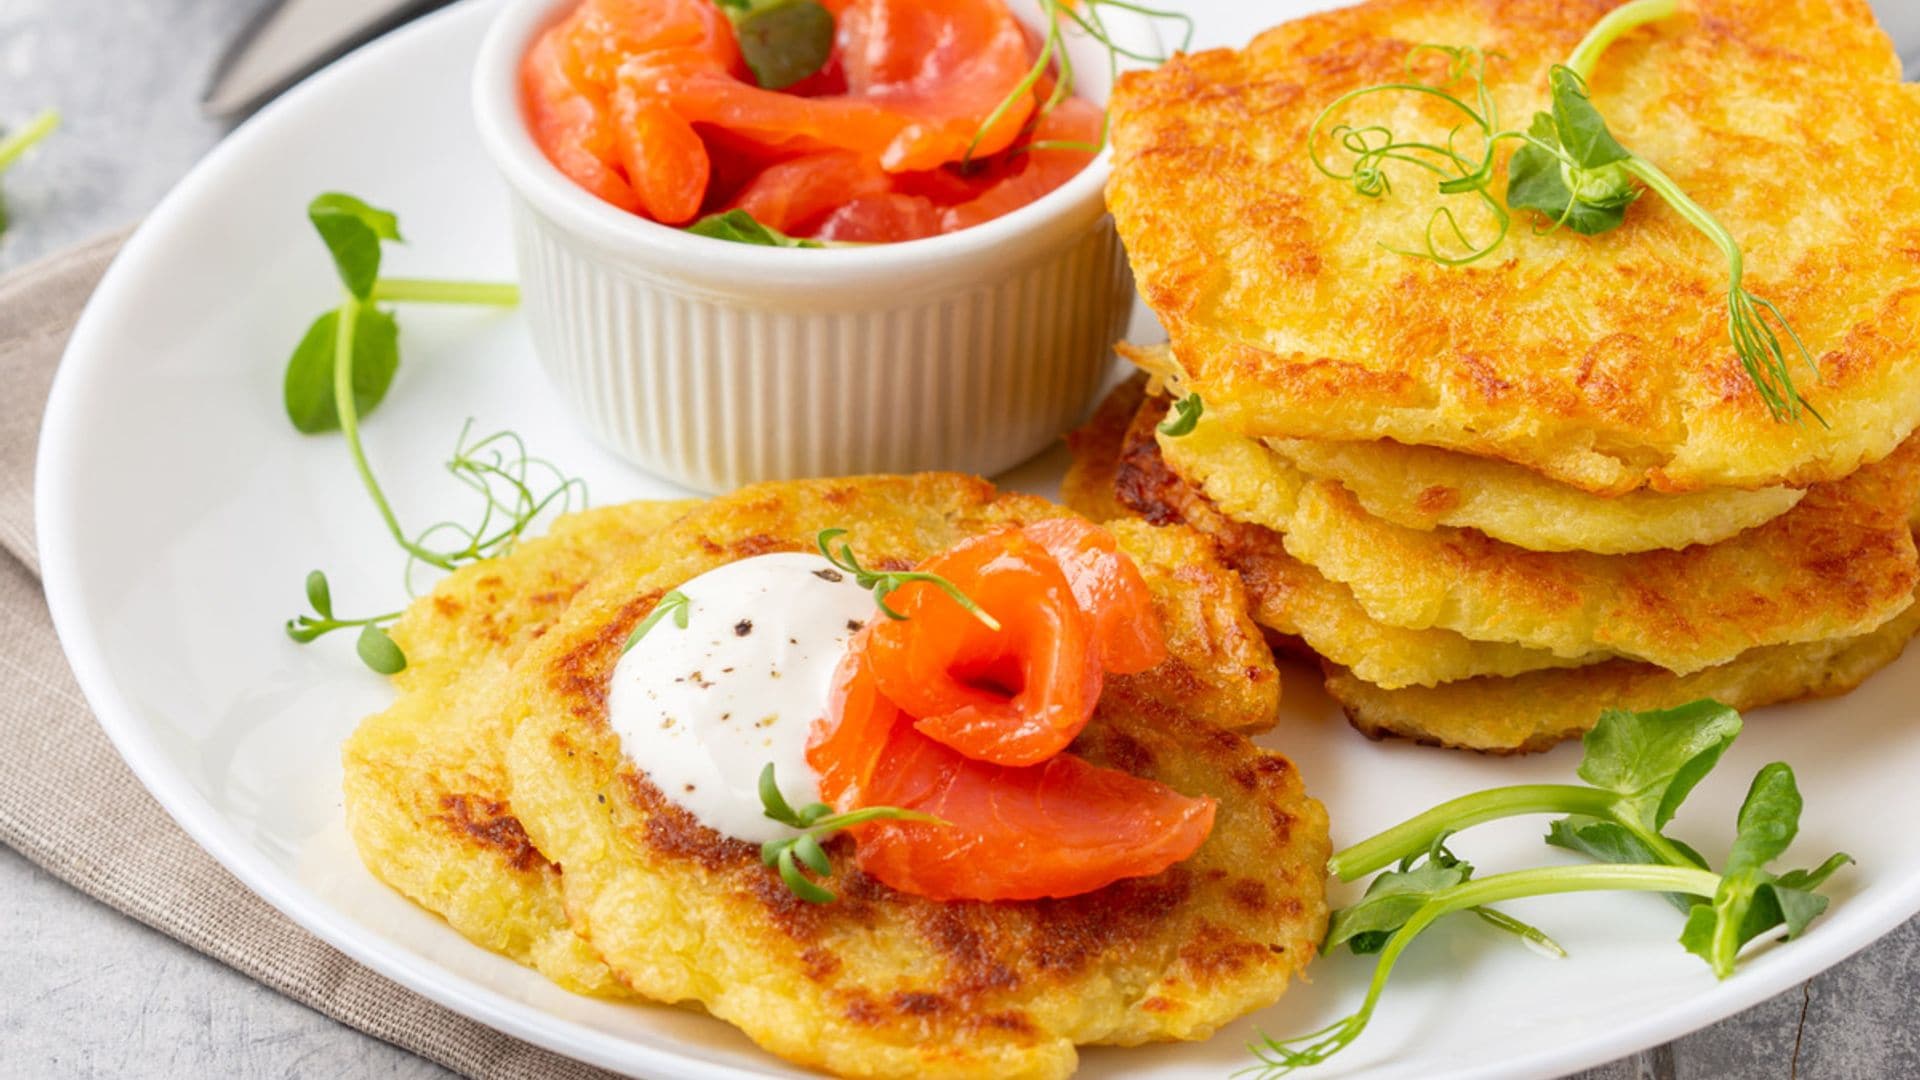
{"points": [[716, 364]]}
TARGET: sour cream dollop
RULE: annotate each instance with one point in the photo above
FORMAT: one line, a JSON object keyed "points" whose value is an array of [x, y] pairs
{"points": [[703, 709]]}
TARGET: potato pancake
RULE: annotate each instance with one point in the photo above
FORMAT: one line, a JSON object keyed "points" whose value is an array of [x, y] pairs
{"points": [[1604, 361], [1423, 487], [883, 984], [1288, 596], [1533, 712], [1446, 690], [1839, 563], [426, 780]]}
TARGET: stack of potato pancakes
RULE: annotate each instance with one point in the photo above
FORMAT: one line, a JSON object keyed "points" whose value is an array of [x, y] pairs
{"points": [[1495, 498]]}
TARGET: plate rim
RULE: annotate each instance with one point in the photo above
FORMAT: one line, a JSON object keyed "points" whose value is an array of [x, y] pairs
{"points": [[1866, 919]]}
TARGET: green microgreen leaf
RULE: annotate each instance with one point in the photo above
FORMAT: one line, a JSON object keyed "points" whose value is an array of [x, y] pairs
{"points": [[1186, 417], [1750, 900], [308, 385], [782, 42], [1638, 768], [1394, 897], [1391, 899], [884, 583], [798, 882], [353, 231], [808, 850], [1648, 762], [1581, 131], [319, 595], [1278, 1057], [1538, 178], [1652, 760], [815, 821], [740, 227], [321, 620], [773, 804], [674, 604], [378, 651]]}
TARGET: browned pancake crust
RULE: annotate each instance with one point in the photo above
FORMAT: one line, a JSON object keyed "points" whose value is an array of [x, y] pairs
{"points": [[1516, 714]]}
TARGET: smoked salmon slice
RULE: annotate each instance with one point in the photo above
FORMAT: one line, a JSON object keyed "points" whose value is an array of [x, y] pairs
{"points": [[1059, 828], [917, 124], [1014, 696], [922, 77], [795, 196], [1108, 587]]}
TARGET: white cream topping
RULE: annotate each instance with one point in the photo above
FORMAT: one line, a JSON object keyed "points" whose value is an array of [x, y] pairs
{"points": [[703, 709]]}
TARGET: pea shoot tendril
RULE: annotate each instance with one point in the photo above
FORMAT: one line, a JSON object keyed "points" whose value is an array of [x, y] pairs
{"points": [[885, 582], [1567, 166], [1054, 55], [673, 605], [341, 371]]}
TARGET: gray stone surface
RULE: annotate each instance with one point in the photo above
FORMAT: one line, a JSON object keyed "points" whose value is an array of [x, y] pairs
{"points": [[88, 993]]}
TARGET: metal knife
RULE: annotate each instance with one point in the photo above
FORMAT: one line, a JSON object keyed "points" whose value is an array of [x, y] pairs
{"points": [[292, 38]]}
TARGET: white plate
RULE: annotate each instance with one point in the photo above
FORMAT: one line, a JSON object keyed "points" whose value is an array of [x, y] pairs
{"points": [[178, 513]]}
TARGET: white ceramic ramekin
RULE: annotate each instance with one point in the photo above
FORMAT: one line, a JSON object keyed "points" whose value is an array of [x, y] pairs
{"points": [[716, 364]]}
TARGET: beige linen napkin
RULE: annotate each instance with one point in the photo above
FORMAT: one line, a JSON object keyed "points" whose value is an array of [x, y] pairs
{"points": [[69, 804]]}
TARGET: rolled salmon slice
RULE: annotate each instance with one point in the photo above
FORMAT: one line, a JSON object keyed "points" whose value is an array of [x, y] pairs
{"points": [[1059, 828]]}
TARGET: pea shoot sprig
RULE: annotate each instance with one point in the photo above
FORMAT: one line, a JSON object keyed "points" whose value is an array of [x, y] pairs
{"points": [[816, 822], [1638, 769], [341, 371], [1054, 56], [885, 582], [17, 142], [1568, 167], [673, 605]]}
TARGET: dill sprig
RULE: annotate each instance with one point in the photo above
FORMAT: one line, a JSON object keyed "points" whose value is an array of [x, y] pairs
{"points": [[1568, 167], [1054, 56], [816, 822], [341, 370], [884, 582]]}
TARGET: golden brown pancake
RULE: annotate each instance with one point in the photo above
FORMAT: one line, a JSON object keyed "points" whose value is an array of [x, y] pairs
{"points": [[1533, 712], [426, 780], [1474, 707], [884, 984], [1288, 597], [1839, 563], [1602, 362], [1424, 487]]}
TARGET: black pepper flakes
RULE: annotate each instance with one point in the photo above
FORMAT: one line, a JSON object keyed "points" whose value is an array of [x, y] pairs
{"points": [[834, 576], [743, 628]]}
